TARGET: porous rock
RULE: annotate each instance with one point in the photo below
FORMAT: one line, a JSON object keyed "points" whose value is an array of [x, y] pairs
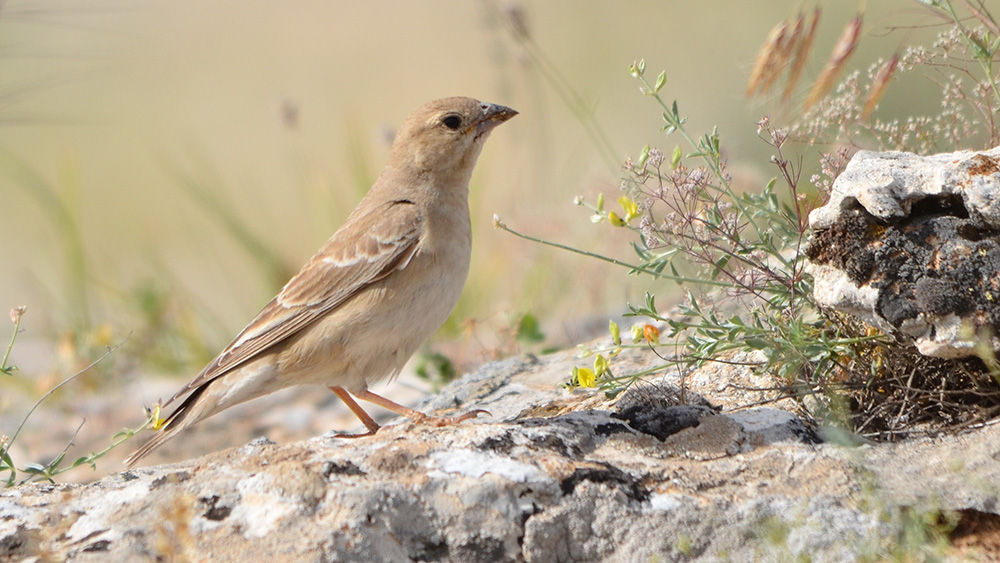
{"points": [[911, 244], [554, 476]]}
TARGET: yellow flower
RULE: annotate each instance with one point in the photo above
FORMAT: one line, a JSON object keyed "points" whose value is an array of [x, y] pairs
{"points": [[600, 365], [615, 219], [155, 417], [584, 377], [631, 208]]}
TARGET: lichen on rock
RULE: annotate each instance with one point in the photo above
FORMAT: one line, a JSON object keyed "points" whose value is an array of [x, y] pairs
{"points": [[911, 244]]}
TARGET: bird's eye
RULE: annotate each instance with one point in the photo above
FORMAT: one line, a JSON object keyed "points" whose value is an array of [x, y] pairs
{"points": [[452, 121]]}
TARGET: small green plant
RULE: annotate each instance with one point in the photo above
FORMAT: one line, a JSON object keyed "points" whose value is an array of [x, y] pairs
{"points": [[739, 255], [47, 471], [692, 228], [528, 330], [6, 368], [435, 368]]}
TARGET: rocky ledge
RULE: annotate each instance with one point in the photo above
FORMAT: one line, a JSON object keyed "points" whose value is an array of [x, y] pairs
{"points": [[554, 475], [911, 244]]}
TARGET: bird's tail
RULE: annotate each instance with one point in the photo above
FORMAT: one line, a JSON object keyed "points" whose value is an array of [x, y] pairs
{"points": [[172, 426], [156, 441]]}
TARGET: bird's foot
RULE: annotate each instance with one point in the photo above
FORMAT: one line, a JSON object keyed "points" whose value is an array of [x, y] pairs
{"points": [[361, 435], [449, 420], [421, 418]]}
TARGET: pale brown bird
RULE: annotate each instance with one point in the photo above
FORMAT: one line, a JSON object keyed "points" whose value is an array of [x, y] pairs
{"points": [[382, 284]]}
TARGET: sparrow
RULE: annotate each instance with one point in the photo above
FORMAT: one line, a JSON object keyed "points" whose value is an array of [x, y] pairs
{"points": [[383, 283]]}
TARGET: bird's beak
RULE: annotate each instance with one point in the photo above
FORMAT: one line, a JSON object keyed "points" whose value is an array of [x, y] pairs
{"points": [[493, 115]]}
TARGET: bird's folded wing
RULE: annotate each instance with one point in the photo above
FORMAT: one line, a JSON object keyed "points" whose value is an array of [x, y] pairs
{"points": [[365, 250]]}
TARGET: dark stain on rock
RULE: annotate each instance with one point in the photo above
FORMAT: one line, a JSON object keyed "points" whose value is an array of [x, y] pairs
{"points": [[502, 444], [12, 543], [846, 244], [609, 428], [213, 510], [556, 444], [481, 549], [342, 468], [662, 410], [663, 422], [940, 297], [170, 479], [938, 260], [609, 475], [431, 550], [101, 545]]}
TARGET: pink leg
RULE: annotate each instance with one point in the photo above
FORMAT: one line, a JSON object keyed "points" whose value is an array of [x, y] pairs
{"points": [[359, 412], [415, 416]]}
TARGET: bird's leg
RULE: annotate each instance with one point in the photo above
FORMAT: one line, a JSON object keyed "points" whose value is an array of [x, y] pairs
{"points": [[416, 417], [359, 412]]}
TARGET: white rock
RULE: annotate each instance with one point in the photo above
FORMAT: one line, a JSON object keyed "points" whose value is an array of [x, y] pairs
{"points": [[911, 244]]}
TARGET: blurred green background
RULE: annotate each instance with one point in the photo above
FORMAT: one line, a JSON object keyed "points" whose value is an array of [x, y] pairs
{"points": [[167, 165]]}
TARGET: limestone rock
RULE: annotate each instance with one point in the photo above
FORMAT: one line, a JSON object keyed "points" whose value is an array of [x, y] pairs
{"points": [[911, 244], [554, 475]]}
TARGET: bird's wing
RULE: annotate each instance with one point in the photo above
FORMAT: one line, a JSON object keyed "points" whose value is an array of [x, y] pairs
{"points": [[365, 250]]}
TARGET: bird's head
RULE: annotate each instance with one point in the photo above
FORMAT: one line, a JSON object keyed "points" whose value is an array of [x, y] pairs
{"points": [[445, 136]]}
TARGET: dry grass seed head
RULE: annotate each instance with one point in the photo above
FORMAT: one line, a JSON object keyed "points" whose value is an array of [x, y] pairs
{"points": [[767, 60], [879, 85], [801, 55], [846, 44]]}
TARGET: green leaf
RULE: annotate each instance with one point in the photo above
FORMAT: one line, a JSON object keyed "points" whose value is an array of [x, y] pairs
{"points": [[651, 303], [58, 460], [720, 265], [616, 334], [661, 80], [643, 156], [85, 460], [528, 329], [676, 274], [436, 368]]}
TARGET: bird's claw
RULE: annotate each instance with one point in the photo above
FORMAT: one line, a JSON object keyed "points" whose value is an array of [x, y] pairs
{"points": [[447, 420], [361, 435]]}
